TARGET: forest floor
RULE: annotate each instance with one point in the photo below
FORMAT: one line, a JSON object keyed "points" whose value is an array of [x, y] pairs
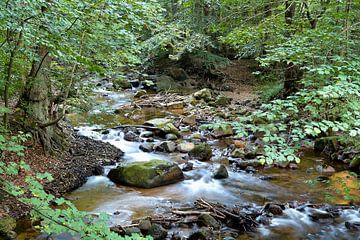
{"points": [[69, 169]]}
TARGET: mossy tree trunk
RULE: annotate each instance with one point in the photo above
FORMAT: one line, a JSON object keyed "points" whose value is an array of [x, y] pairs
{"points": [[38, 116]]}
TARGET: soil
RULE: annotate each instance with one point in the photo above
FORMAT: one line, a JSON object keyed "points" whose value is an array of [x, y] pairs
{"points": [[70, 169]]}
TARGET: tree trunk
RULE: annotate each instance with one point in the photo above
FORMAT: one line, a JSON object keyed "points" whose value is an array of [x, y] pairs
{"points": [[292, 72], [36, 105]]}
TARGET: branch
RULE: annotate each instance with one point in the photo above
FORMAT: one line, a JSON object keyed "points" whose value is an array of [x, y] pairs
{"points": [[40, 64], [48, 124]]}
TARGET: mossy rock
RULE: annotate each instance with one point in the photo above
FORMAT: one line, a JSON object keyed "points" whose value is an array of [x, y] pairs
{"points": [[355, 162], [150, 174], [202, 152], [223, 131], [204, 94]]}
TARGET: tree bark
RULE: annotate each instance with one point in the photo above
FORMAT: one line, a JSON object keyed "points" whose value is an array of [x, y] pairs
{"points": [[292, 72]]}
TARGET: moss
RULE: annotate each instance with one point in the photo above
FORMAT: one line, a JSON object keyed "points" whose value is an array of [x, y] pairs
{"points": [[201, 152], [146, 174]]}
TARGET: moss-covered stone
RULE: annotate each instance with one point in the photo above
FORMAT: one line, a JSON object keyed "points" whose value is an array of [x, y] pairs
{"points": [[148, 174], [203, 94], [202, 152], [223, 131], [355, 162]]}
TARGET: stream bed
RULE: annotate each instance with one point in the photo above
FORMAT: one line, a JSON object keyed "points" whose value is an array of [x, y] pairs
{"points": [[125, 203]]}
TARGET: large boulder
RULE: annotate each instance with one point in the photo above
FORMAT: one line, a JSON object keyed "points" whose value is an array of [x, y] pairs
{"points": [[202, 152], [150, 174], [166, 83]]}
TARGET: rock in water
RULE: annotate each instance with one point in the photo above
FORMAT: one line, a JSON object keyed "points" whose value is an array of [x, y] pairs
{"points": [[131, 137], [147, 147], [171, 137], [221, 172], [157, 232], [188, 167], [185, 147], [150, 174], [201, 152]]}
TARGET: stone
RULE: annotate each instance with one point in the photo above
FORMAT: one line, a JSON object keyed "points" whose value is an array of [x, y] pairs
{"points": [[171, 137], [188, 167], [170, 128], [131, 137], [353, 225], [178, 74], [185, 147], [140, 93], [250, 169], [148, 85], [189, 120], [146, 134], [157, 232], [122, 84], [166, 83], [355, 162], [196, 136], [202, 152], [293, 166], [223, 131], [238, 153], [164, 124], [208, 220], [168, 146], [251, 151], [243, 164], [175, 105], [316, 214], [147, 147], [239, 144], [149, 174], [132, 230], [200, 234], [222, 101], [135, 83], [220, 172], [325, 169], [98, 170], [275, 209], [145, 225], [158, 122], [203, 94]]}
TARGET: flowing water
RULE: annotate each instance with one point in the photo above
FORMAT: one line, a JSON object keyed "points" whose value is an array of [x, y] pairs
{"points": [[124, 203]]}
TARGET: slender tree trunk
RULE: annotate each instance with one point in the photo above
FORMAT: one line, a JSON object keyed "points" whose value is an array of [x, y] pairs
{"points": [[292, 72], [8, 74]]}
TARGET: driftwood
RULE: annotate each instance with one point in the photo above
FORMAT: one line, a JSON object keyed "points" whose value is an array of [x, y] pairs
{"points": [[150, 128]]}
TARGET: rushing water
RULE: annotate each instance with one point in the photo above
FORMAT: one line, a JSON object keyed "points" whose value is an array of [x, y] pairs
{"points": [[124, 203]]}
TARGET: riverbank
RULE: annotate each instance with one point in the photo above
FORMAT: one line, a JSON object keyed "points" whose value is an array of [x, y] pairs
{"points": [[70, 170]]}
